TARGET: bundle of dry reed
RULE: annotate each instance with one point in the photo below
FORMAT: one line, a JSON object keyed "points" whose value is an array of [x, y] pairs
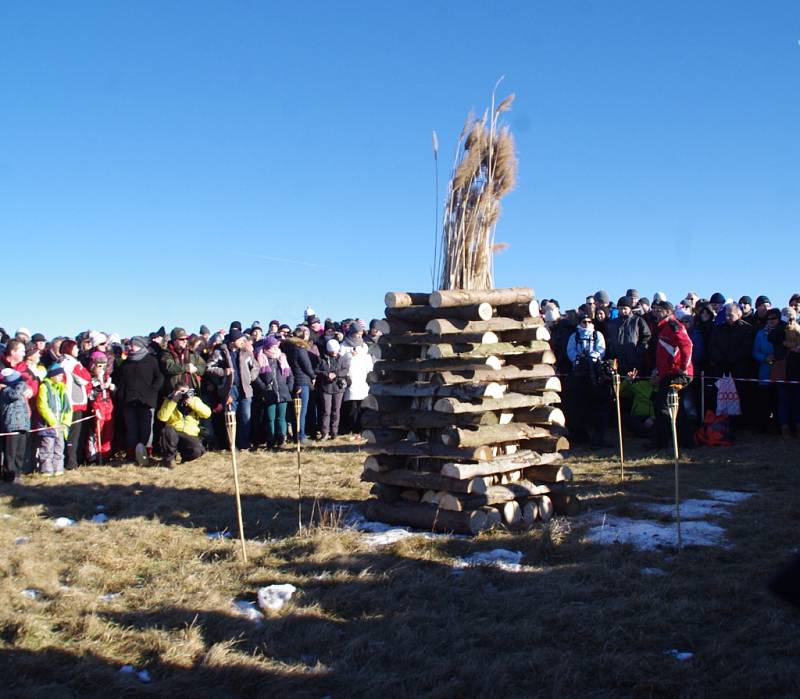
{"points": [[484, 171]]}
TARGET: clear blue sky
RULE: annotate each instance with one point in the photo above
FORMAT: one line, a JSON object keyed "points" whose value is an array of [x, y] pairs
{"points": [[156, 156]]}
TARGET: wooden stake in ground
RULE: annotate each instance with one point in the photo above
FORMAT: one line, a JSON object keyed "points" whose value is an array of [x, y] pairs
{"points": [[673, 402], [97, 437], [230, 426], [615, 382], [298, 406]]}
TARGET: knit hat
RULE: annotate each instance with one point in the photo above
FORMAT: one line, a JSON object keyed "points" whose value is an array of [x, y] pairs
{"points": [[361, 324], [602, 297], [761, 300], [329, 325], [38, 337], [665, 305], [632, 294], [659, 296], [55, 370], [234, 335], [332, 346], [31, 348], [177, 334], [256, 324], [353, 329], [235, 325], [97, 338], [285, 329], [312, 319], [161, 332], [204, 330], [746, 300], [373, 323], [10, 376], [717, 297], [644, 301], [625, 301], [271, 342], [23, 331], [308, 313], [276, 323]]}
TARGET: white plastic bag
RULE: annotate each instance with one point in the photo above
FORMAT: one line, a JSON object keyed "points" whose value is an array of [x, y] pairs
{"points": [[727, 396]]}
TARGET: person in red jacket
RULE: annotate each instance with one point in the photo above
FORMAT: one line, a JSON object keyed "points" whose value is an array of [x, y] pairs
{"points": [[673, 371]]}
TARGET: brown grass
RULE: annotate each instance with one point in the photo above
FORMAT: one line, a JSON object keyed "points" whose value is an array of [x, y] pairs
{"points": [[393, 621]]}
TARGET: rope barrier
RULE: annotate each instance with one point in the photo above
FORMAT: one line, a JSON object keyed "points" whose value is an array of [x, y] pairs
{"points": [[42, 429]]}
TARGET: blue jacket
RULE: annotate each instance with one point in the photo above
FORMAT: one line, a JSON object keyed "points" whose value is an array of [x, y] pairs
{"points": [[14, 413], [762, 348]]}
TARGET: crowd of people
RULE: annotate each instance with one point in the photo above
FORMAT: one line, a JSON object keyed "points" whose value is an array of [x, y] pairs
{"points": [[68, 401]]}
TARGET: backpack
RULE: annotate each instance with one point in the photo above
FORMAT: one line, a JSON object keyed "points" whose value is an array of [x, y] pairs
{"points": [[715, 431]]}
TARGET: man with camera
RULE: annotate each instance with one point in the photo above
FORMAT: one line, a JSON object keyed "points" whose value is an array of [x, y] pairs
{"points": [[181, 413]]}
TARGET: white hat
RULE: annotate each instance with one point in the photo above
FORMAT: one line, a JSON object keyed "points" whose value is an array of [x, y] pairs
{"points": [[332, 346], [308, 313], [23, 331], [97, 338]]}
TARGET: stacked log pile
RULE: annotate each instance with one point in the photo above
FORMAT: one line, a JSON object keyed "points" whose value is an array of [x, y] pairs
{"points": [[462, 421]]}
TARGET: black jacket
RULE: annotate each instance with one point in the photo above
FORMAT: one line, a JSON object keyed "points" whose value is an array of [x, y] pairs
{"points": [[296, 352], [139, 380], [627, 340], [340, 366], [731, 349]]}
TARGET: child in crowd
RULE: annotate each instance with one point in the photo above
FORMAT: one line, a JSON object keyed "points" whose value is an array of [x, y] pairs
{"points": [[101, 432], [55, 414]]}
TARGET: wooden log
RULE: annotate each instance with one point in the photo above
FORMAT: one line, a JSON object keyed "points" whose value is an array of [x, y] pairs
{"points": [[410, 495], [539, 333], [509, 401], [383, 326], [565, 504], [497, 297], [424, 481], [493, 517], [543, 415], [382, 436], [387, 404], [427, 389], [548, 473], [546, 444], [530, 512], [394, 352], [492, 434], [473, 350], [423, 314], [400, 299], [498, 465], [511, 513], [518, 311], [434, 365], [506, 373], [426, 338], [494, 495], [431, 450], [441, 326], [535, 385], [545, 507], [389, 493], [430, 496], [424, 419], [425, 516], [529, 359]]}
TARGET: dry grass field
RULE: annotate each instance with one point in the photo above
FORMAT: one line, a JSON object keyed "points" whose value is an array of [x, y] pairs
{"points": [[149, 589]]}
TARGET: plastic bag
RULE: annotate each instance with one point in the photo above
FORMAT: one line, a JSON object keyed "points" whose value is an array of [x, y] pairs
{"points": [[727, 396]]}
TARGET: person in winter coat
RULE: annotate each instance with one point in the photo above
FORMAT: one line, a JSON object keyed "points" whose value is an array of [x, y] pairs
{"points": [[78, 379], [181, 366], [302, 362], [181, 412], [361, 364], [332, 383], [138, 383], [101, 405], [15, 416], [673, 371], [55, 414], [788, 394], [627, 338], [277, 381]]}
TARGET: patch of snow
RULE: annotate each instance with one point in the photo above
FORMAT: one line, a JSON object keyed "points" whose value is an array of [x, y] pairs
{"points": [[144, 676], [22, 540], [653, 571], [100, 518], [5, 516], [109, 596], [388, 536], [63, 522], [678, 654], [324, 575], [649, 535], [273, 597], [691, 509], [213, 536], [100, 508], [31, 593], [248, 610], [731, 496], [502, 559], [127, 669]]}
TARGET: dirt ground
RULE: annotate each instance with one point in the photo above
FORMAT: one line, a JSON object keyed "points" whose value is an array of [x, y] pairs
{"points": [[154, 587]]}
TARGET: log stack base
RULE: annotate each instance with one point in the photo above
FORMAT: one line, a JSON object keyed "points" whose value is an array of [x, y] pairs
{"points": [[463, 426]]}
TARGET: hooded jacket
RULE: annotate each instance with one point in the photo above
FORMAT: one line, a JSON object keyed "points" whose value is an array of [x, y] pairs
{"points": [[184, 419], [53, 405], [297, 354], [139, 378], [15, 416], [627, 340], [673, 349]]}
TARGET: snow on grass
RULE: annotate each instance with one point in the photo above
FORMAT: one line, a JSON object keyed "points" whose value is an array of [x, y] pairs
{"points": [[648, 535]]}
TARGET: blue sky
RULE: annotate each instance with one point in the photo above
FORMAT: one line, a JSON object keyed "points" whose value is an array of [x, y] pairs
{"points": [[196, 162]]}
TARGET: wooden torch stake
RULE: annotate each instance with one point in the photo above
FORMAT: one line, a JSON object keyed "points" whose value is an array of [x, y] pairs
{"points": [[298, 406], [230, 424], [615, 382], [673, 403], [97, 437]]}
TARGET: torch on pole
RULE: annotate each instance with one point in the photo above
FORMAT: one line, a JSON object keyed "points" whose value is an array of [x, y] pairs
{"points": [[97, 430], [298, 407], [615, 383], [673, 403], [230, 426]]}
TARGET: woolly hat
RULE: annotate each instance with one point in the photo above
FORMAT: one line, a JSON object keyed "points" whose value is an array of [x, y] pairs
{"points": [[271, 342], [138, 342], [235, 325], [10, 376], [602, 297], [55, 370], [361, 324], [632, 293], [332, 346], [234, 335], [97, 337], [114, 339], [329, 325], [256, 324], [665, 305], [717, 297], [761, 300], [353, 329], [23, 331], [285, 329], [161, 332], [38, 337], [659, 297], [312, 319], [625, 301], [308, 313], [747, 300], [177, 334], [374, 323], [204, 330], [276, 323], [98, 358], [644, 301]]}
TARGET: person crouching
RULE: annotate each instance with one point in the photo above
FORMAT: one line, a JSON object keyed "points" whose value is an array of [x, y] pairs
{"points": [[181, 412]]}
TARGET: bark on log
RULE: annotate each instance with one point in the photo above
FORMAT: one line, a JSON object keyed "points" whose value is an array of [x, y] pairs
{"points": [[388, 493], [544, 415], [388, 404], [497, 297], [431, 450], [423, 314], [383, 436], [565, 504], [425, 481], [461, 391], [394, 352], [492, 434], [435, 365], [529, 359], [410, 495], [424, 419], [426, 338], [518, 311], [535, 385], [473, 350], [400, 299], [548, 473], [540, 333], [424, 516], [545, 445], [494, 495], [506, 373], [441, 326], [509, 401], [498, 465]]}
